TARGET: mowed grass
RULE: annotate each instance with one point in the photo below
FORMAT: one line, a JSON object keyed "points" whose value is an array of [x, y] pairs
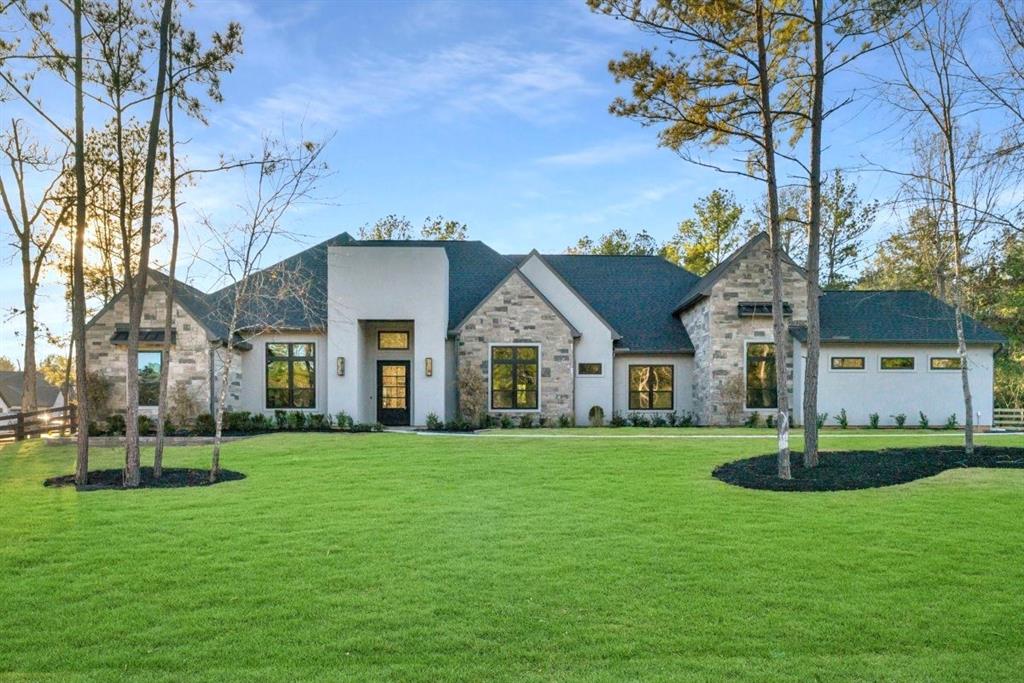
{"points": [[403, 557]]}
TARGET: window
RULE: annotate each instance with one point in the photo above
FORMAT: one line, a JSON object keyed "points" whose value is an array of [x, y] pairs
{"points": [[589, 369], [945, 363], [760, 309], [847, 362], [291, 375], [149, 377], [514, 373], [392, 341], [762, 390], [650, 387], [897, 363]]}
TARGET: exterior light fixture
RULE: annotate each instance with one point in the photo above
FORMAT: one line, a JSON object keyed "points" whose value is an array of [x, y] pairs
{"points": [[341, 366], [429, 367]]}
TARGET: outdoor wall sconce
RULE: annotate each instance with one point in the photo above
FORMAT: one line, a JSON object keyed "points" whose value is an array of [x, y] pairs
{"points": [[429, 367], [341, 366]]}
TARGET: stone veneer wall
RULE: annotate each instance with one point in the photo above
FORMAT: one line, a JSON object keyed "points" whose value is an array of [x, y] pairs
{"points": [[516, 314], [697, 321], [748, 280], [190, 356]]}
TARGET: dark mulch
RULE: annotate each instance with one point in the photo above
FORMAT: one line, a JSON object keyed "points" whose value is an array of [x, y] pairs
{"points": [[848, 470], [172, 478]]}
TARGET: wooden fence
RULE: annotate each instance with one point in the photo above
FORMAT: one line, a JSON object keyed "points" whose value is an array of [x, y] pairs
{"points": [[1008, 418], [20, 426]]}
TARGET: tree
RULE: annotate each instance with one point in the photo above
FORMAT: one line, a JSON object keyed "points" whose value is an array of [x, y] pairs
{"points": [[916, 257], [705, 241], [394, 227], [733, 86], [792, 216], [845, 219], [55, 370], [618, 242], [249, 304], [6, 364], [33, 233], [443, 229]]}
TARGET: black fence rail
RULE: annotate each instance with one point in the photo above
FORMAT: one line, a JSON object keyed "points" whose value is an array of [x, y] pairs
{"points": [[21, 426]]}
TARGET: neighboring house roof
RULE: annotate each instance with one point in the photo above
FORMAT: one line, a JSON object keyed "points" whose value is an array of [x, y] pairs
{"points": [[704, 285], [636, 295], [11, 385], [892, 316]]}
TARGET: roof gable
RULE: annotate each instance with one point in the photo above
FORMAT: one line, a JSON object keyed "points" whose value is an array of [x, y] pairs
{"points": [[516, 273]]}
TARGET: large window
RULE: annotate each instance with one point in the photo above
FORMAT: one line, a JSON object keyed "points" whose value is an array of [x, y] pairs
{"points": [[896, 363], [291, 375], [762, 390], [149, 377], [514, 373], [650, 387], [945, 363]]}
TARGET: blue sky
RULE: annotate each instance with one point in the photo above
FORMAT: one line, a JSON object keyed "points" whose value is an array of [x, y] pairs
{"points": [[493, 113]]}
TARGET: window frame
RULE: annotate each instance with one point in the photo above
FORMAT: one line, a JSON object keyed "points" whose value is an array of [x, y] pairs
{"points": [[863, 363], [290, 359], [160, 353], [882, 368], [490, 374], [932, 359], [408, 340], [599, 373], [746, 361], [650, 392]]}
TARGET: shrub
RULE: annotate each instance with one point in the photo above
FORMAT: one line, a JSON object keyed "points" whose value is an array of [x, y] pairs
{"points": [[459, 424], [639, 420], [97, 428], [146, 424], [182, 404], [115, 425], [97, 390], [261, 423], [525, 421], [951, 422], [542, 421], [472, 393], [822, 418], [565, 421], [205, 425], [296, 420], [434, 423], [753, 420], [900, 419], [487, 421], [281, 419], [361, 427], [658, 421], [687, 420], [237, 421], [378, 427], [873, 420], [318, 422], [769, 420], [842, 420], [596, 416], [922, 419], [344, 421], [505, 422], [617, 420]]}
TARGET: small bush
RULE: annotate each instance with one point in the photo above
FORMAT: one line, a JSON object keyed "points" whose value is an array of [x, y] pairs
{"points": [[639, 420], [238, 421], [97, 428], [205, 424], [281, 419], [822, 419], [183, 404], [596, 416], [542, 421], [505, 422], [361, 427], [487, 421], [525, 421], [473, 390], [687, 420], [97, 390], [900, 419], [842, 420], [565, 421], [459, 424], [659, 421], [434, 423], [318, 422], [922, 419], [873, 420], [146, 425], [951, 422], [344, 421], [753, 420], [115, 425], [378, 426], [261, 423], [617, 420]]}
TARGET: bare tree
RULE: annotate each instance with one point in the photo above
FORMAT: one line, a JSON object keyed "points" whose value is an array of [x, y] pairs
{"points": [[251, 302]]}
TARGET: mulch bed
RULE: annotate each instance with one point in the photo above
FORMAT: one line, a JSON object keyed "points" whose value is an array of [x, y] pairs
{"points": [[849, 470], [172, 478]]}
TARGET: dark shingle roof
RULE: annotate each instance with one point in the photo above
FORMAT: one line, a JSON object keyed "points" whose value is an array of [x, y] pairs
{"points": [[11, 385], [896, 316], [635, 294]]}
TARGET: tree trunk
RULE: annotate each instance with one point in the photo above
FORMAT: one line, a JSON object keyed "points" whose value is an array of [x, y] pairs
{"points": [[132, 474], [28, 385], [810, 407], [778, 321], [78, 274], [222, 395], [958, 313]]}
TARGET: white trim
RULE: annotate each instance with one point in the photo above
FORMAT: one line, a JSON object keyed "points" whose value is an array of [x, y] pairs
{"points": [[540, 356], [913, 357], [863, 357], [746, 343]]}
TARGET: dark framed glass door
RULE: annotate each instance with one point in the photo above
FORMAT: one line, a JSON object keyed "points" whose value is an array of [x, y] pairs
{"points": [[393, 392]]}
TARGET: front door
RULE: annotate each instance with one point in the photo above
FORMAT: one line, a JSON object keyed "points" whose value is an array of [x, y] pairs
{"points": [[393, 392]]}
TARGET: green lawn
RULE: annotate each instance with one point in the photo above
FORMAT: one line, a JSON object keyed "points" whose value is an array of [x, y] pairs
{"points": [[384, 557]]}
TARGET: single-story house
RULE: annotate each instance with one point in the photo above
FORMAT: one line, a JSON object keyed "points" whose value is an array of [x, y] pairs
{"points": [[386, 326], [12, 384]]}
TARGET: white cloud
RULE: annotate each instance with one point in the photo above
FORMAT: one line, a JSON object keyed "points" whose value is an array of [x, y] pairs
{"points": [[601, 154]]}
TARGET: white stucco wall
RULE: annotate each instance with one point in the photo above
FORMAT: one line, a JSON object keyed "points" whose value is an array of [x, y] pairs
{"points": [[682, 380], [937, 393], [386, 284], [253, 363], [593, 346]]}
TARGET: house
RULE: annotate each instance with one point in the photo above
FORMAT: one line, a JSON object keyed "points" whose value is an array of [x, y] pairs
{"points": [[388, 325], [12, 384]]}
